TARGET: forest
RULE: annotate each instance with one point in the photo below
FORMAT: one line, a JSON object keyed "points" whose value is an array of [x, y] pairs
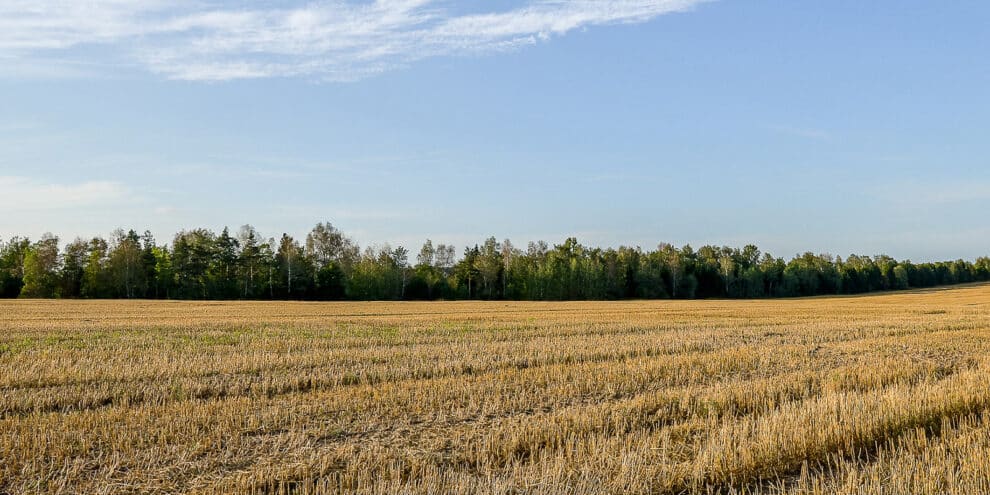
{"points": [[328, 265]]}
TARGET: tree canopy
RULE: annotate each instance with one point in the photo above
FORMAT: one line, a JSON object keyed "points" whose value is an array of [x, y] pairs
{"points": [[202, 264]]}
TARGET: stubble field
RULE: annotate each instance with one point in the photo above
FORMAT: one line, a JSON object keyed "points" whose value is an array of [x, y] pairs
{"points": [[875, 394]]}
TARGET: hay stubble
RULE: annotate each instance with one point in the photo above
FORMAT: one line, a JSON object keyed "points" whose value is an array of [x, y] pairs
{"points": [[877, 394]]}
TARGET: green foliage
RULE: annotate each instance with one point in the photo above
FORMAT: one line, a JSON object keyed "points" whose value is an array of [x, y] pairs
{"points": [[12, 254], [41, 269], [200, 264], [192, 254]]}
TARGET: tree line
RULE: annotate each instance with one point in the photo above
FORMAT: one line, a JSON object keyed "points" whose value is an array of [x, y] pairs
{"points": [[328, 265]]}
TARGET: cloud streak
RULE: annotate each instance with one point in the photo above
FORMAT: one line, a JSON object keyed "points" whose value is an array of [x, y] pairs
{"points": [[328, 40], [22, 194], [803, 132], [934, 193]]}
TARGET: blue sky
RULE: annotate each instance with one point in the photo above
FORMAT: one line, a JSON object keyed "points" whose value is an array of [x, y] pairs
{"points": [[841, 126]]}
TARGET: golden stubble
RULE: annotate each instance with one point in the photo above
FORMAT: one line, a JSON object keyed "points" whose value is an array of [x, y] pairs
{"points": [[875, 394]]}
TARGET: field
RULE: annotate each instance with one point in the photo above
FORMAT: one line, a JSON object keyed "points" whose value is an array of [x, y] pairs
{"points": [[875, 394]]}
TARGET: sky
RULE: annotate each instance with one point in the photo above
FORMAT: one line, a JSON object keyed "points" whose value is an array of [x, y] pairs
{"points": [[835, 126]]}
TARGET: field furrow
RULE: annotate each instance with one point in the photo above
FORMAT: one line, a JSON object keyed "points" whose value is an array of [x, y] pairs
{"points": [[809, 396]]}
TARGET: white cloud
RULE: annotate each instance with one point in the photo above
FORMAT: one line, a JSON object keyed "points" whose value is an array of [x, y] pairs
{"points": [[165, 210], [331, 40], [932, 193], [343, 213], [21, 194], [14, 127], [804, 132]]}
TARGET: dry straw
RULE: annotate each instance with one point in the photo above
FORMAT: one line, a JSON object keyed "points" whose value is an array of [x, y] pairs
{"points": [[878, 394]]}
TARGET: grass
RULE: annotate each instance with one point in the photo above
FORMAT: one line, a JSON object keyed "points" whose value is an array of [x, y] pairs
{"points": [[877, 394]]}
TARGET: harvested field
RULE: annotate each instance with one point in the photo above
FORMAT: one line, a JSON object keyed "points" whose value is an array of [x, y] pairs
{"points": [[874, 394]]}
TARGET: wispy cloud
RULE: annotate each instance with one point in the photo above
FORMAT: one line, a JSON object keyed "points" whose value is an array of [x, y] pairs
{"points": [[22, 194], [164, 210], [931, 206], [380, 214], [18, 126], [328, 40], [803, 132], [933, 193]]}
